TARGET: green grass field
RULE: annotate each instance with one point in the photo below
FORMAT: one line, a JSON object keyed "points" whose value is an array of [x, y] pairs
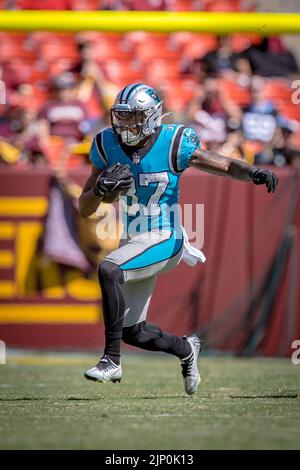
{"points": [[242, 404]]}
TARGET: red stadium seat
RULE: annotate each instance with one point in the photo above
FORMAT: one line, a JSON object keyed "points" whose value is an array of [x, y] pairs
{"points": [[60, 66], [50, 52], [240, 42], [176, 103], [147, 5], [146, 52], [222, 5], [38, 77], [25, 72], [290, 110], [186, 86], [40, 37], [235, 92], [181, 5], [124, 81], [53, 149], [10, 51], [199, 45], [137, 37], [14, 73], [180, 38], [34, 99], [160, 69], [43, 4], [95, 37], [57, 153], [93, 106], [250, 149], [105, 51], [178, 93], [87, 5], [279, 92], [12, 37], [122, 72]]}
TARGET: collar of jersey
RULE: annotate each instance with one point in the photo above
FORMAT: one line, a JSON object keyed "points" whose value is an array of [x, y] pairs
{"points": [[141, 151]]}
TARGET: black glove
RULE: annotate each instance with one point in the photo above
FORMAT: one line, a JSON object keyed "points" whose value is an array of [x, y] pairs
{"points": [[114, 178], [264, 177]]}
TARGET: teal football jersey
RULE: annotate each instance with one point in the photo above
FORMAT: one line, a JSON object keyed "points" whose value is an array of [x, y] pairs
{"points": [[152, 201]]}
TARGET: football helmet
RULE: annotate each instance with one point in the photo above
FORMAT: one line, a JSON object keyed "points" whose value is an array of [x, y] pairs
{"points": [[136, 113]]}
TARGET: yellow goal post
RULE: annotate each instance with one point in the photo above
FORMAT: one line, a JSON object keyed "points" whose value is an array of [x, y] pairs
{"points": [[123, 21]]}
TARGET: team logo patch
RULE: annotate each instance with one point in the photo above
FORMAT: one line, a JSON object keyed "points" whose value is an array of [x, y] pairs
{"points": [[153, 95], [192, 138]]}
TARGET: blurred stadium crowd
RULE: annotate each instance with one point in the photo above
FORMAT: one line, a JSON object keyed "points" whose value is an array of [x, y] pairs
{"points": [[235, 91]]}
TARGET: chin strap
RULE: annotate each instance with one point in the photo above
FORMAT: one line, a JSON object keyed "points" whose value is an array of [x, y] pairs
{"points": [[133, 142]]}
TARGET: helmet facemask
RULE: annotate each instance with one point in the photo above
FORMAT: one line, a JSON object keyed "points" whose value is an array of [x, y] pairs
{"points": [[128, 125]]}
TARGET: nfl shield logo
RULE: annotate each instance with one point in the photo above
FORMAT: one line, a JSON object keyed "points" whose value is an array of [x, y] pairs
{"points": [[136, 158]]}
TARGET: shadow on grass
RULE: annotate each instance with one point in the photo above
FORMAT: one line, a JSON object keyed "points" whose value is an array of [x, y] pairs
{"points": [[247, 397], [87, 398], [168, 397]]}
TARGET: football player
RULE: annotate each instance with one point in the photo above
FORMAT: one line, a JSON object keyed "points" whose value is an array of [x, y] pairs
{"points": [[141, 160]]}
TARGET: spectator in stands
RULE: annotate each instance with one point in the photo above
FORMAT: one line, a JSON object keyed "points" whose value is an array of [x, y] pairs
{"points": [[93, 89], [112, 5], [12, 74], [243, 72], [209, 113], [19, 140], [221, 60], [64, 115], [260, 116], [282, 150], [147, 5], [233, 146], [228, 5], [11, 123], [270, 58]]}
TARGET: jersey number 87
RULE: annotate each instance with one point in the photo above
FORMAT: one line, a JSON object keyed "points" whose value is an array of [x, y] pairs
{"points": [[152, 208]]}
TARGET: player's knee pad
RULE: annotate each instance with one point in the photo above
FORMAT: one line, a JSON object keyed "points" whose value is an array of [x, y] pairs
{"points": [[109, 272], [142, 334]]}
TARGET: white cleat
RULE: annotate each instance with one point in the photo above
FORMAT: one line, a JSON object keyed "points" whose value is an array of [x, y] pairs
{"points": [[105, 371], [190, 372]]}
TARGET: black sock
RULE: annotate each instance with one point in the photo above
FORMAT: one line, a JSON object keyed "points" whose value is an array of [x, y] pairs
{"points": [[114, 359], [151, 338], [111, 279]]}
